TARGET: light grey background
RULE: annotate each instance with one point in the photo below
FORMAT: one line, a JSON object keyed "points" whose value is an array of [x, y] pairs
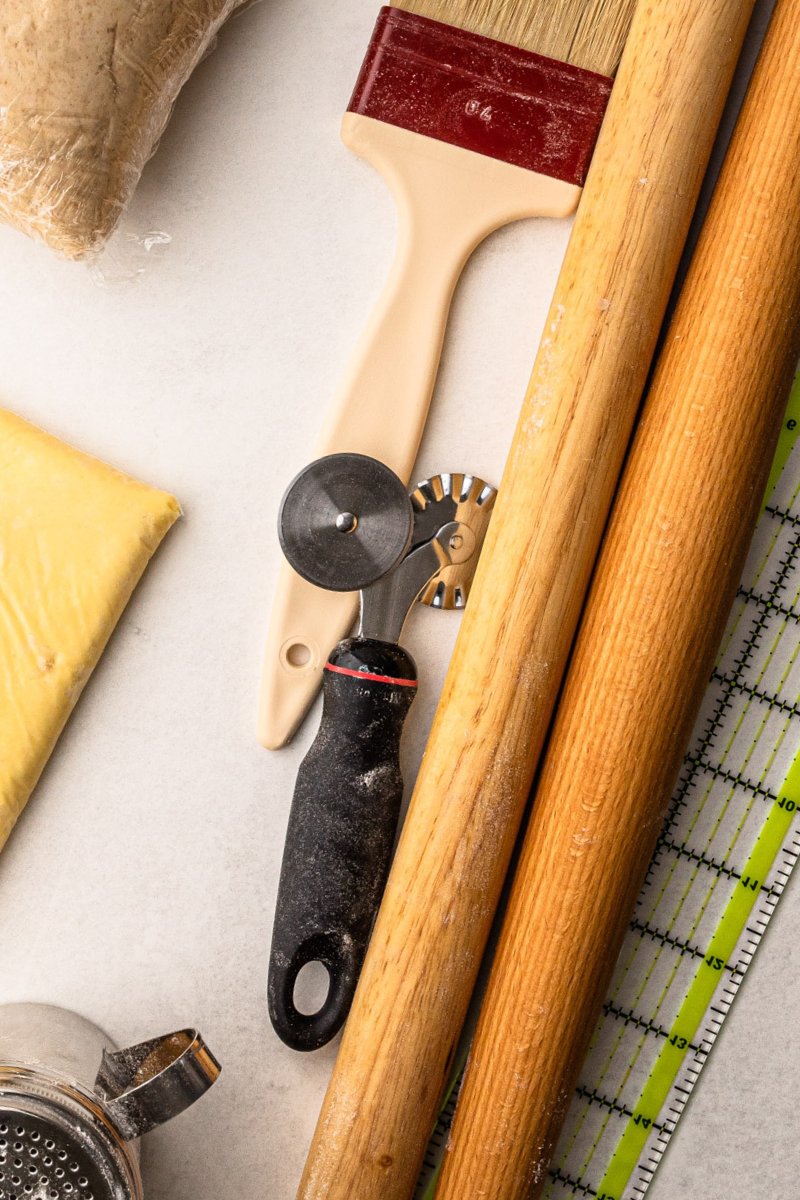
{"points": [[139, 885]]}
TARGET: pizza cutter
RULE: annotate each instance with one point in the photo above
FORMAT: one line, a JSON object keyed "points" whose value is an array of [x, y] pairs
{"points": [[347, 523]]}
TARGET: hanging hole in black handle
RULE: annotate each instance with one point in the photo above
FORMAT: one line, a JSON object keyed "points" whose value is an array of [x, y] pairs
{"points": [[310, 1031], [311, 987]]}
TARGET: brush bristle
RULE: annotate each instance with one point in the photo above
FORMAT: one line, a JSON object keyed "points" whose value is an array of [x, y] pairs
{"points": [[586, 33]]}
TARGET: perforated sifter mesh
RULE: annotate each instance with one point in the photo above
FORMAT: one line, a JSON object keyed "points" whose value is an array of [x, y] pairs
{"points": [[39, 1161]]}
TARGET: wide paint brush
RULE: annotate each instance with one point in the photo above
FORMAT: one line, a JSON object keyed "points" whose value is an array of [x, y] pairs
{"points": [[476, 114]]}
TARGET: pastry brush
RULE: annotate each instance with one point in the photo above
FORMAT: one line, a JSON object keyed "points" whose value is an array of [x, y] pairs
{"points": [[477, 113]]}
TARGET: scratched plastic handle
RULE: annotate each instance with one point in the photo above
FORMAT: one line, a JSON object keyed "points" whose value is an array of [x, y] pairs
{"points": [[341, 831]]}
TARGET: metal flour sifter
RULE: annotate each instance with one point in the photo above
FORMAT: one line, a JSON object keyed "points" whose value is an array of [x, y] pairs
{"points": [[73, 1106]]}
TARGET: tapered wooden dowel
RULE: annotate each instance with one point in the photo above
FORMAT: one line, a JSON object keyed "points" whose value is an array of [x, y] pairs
{"points": [[512, 649], [662, 591]]}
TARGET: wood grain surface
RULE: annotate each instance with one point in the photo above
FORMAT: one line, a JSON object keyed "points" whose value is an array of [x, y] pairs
{"points": [[664, 584], [519, 625]]}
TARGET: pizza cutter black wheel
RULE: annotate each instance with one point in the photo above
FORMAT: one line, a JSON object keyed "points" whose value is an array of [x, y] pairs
{"points": [[345, 521]]}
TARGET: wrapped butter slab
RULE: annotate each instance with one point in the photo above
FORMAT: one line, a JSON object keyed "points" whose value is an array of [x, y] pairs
{"points": [[75, 537], [86, 89]]}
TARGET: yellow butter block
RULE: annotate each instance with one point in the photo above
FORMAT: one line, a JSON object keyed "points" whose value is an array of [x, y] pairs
{"points": [[75, 537]]}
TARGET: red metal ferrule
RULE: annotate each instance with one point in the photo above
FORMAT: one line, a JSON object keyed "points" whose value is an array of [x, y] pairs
{"points": [[369, 675], [482, 94]]}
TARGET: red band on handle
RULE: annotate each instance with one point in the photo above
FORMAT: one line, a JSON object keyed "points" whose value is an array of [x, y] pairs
{"points": [[368, 675], [482, 94]]}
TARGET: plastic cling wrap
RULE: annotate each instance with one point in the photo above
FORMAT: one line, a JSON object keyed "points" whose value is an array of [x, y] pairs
{"points": [[86, 89]]}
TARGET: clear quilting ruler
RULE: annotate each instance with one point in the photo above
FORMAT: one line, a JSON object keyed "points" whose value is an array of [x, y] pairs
{"points": [[729, 842]]}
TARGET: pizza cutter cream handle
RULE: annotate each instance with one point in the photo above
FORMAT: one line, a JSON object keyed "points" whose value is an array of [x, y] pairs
{"points": [[448, 200]]}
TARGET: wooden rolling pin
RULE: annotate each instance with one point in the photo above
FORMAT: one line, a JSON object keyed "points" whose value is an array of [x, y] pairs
{"points": [[520, 621], [665, 581]]}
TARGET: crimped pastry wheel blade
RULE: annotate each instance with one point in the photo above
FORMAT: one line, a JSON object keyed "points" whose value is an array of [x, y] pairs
{"points": [[456, 497]]}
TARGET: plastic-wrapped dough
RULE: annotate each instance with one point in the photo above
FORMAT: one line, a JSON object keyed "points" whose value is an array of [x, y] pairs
{"points": [[75, 536], [86, 88]]}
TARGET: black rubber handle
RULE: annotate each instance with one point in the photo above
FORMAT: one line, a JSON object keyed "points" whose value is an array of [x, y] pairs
{"points": [[341, 832]]}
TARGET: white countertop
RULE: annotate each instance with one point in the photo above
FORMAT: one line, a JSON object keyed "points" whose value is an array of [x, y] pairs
{"points": [[139, 885]]}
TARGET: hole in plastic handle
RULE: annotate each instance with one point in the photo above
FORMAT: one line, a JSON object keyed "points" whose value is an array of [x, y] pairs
{"points": [[337, 953], [311, 987], [298, 654]]}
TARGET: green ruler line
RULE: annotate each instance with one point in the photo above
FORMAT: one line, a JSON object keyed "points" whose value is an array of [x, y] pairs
{"points": [[788, 436], [433, 1166], [693, 1010], [768, 845]]}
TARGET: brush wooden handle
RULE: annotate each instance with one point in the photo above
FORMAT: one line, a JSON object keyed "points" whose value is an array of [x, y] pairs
{"points": [[662, 591], [448, 200], [526, 598]]}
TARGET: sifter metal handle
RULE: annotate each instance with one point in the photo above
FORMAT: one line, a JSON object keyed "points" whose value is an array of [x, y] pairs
{"points": [[148, 1084]]}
